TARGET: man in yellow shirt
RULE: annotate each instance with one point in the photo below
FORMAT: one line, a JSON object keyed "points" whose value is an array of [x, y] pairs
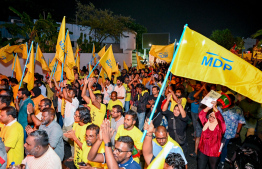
{"points": [[82, 119], [12, 135], [129, 129], [128, 94], [97, 108], [92, 135], [114, 101]]}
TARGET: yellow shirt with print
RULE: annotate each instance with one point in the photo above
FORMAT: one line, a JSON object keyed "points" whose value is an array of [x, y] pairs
{"points": [[174, 103], [134, 133], [128, 92], [111, 103], [85, 153], [97, 115], [13, 137], [80, 132]]}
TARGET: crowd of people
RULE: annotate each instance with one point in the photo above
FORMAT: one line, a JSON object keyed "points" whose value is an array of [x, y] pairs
{"points": [[102, 121]]}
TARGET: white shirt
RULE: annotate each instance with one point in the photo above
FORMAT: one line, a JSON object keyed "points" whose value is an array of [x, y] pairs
{"points": [[70, 109], [107, 93], [43, 90], [49, 160], [121, 92]]}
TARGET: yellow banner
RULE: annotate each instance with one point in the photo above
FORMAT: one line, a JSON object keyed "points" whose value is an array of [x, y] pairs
{"points": [[60, 46], [139, 64], [201, 59], [108, 62], [29, 77], [125, 65], [40, 58], [163, 52], [4, 56]]}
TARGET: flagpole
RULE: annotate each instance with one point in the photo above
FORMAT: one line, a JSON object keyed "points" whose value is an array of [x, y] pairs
{"points": [[164, 83], [92, 71], [28, 54], [61, 79], [36, 52]]}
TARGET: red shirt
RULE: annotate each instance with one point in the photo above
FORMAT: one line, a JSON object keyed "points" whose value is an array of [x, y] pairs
{"points": [[210, 141]]}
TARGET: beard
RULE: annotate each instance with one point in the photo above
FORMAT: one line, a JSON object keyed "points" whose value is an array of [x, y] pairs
{"points": [[32, 152], [88, 143]]}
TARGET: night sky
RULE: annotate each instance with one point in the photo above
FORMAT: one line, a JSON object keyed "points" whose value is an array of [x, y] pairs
{"points": [[160, 16]]}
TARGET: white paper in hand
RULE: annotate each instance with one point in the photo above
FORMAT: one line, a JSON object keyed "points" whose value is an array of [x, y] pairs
{"points": [[210, 97]]}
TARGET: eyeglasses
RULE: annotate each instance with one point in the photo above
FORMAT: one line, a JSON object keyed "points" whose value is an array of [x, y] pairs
{"points": [[119, 151]]}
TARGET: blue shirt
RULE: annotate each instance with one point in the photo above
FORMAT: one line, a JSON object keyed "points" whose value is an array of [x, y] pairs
{"points": [[130, 164], [232, 117]]}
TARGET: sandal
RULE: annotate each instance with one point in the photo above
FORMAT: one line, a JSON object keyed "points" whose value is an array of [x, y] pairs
{"points": [[193, 154]]}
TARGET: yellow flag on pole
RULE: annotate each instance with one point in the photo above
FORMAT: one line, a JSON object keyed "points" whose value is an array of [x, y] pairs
{"points": [[69, 61], [102, 52], [58, 71], [40, 58], [4, 56], [90, 69], [17, 69], [108, 62], [77, 57], [60, 46], [163, 52], [103, 75], [13, 48], [52, 64], [29, 77], [139, 64], [201, 59], [125, 65]]}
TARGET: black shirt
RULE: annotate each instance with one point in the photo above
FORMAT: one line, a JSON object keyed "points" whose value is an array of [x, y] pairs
{"points": [[157, 117]]}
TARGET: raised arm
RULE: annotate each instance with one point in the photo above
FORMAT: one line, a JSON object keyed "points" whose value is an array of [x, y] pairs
{"points": [[84, 96], [165, 107], [92, 96], [147, 145]]}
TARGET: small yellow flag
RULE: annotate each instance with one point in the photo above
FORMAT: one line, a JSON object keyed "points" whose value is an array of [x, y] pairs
{"points": [[139, 64], [214, 64], [125, 65], [103, 75], [69, 61], [77, 57], [58, 71], [52, 64], [29, 77], [90, 69], [60, 46], [40, 58], [163, 52], [108, 62], [17, 69], [102, 52], [4, 56]]}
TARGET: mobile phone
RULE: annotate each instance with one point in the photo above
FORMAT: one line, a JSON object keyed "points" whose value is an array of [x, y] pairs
{"points": [[81, 164]]}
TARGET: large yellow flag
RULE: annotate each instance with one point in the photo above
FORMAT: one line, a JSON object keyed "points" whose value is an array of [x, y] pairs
{"points": [[201, 59], [60, 46], [40, 58], [17, 69], [29, 77], [125, 65], [4, 56], [159, 161], [108, 62], [24, 51], [102, 52], [69, 61], [139, 64], [77, 57], [163, 52]]}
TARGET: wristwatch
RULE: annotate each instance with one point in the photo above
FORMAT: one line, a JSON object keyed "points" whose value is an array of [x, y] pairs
{"points": [[109, 144]]}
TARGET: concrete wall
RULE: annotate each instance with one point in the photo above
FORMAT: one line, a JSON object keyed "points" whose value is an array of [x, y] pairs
{"points": [[6, 69]]}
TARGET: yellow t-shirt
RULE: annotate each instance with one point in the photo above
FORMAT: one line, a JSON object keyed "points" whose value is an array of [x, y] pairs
{"points": [[128, 92], [86, 150], [111, 103], [174, 103], [134, 133], [97, 92], [97, 115], [80, 132], [13, 137]]}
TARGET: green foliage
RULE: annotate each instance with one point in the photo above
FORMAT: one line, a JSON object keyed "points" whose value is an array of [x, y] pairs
{"points": [[103, 24], [86, 45], [223, 38], [258, 34]]}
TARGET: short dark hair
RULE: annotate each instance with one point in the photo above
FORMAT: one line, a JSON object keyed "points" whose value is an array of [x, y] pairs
{"points": [[157, 87], [175, 160], [47, 101], [120, 79], [128, 140], [6, 100], [93, 127], [5, 80], [84, 114], [10, 111], [41, 137], [74, 90], [132, 113], [8, 92], [25, 91], [140, 86], [13, 80], [49, 110], [118, 108], [99, 96]]}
